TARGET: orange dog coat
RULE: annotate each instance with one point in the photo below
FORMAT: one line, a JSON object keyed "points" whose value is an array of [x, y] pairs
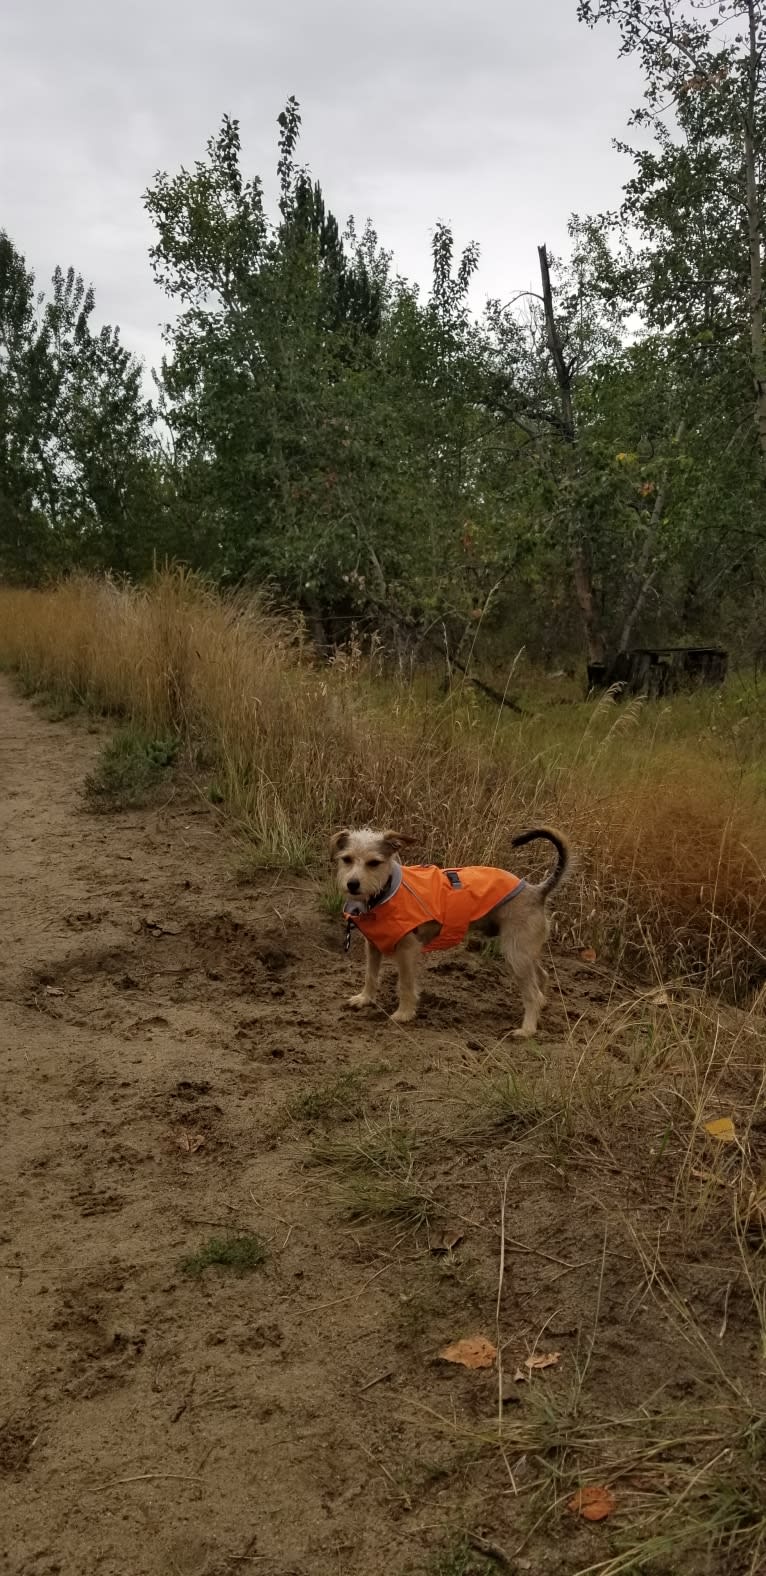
{"points": [[418, 893]]}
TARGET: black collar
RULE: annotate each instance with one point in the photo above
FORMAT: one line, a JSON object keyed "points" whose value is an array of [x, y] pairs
{"points": [[381, 895]]}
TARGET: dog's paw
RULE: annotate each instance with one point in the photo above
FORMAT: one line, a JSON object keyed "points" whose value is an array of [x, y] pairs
{"points": [[403, 1015], [523, 1034], [361, 1000]]}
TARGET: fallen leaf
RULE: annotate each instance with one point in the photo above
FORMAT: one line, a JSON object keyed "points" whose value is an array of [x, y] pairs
{"points": [[722, 1128], [537, 1361], [190, 1142], [445, 1241], [594, 1502], [53, 990], [588, 954], [659, 998], [474, 1352], [541, 1360]]}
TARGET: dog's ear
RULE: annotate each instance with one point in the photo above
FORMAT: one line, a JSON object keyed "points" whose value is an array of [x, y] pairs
{"points": [[391, 842], [339, 842]]}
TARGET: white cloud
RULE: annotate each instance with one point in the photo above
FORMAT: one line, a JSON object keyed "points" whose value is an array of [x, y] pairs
{"points": [[496, 116]]}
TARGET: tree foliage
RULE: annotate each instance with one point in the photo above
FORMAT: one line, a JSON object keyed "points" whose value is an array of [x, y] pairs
{"points": [[76, 440], [578, 466]]}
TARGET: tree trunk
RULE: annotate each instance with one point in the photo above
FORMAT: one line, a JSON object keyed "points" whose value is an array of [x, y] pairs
{"points": [[316, 624], [644, 574], [583, 584], [581, 565], [563, 375], [754, 229]]}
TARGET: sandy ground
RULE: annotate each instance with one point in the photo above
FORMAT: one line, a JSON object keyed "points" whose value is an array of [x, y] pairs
{"points": [[168, 1038]]}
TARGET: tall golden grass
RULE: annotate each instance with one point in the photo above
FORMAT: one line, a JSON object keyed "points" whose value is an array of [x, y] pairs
{"points": [[665, 805]]}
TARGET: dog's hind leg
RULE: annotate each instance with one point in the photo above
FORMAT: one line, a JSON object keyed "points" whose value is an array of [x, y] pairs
{"points": [[522, 939], [526, 975]]}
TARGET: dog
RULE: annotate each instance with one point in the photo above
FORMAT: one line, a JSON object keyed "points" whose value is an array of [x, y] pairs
{"points": [[403, 910]]}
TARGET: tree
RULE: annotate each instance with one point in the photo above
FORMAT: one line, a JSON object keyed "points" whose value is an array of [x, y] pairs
{"points": [[75, 430], [328, 416], [580, 461], [275, 316], [701, 202], [544, 363]]}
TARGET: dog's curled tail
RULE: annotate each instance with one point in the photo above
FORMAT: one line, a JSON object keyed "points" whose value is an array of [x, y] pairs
{"points": [[563, 864]]}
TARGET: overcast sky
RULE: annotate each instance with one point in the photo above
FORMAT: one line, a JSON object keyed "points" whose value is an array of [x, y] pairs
{"points": [[496, 116]]}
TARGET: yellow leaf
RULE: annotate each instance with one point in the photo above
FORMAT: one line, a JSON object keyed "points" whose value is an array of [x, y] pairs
{"points": [[723, 1129], [474, 1352]]}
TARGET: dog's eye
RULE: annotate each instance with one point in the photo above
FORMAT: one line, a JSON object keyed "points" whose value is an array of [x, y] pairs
{"points": [[347, 859], [374, 864]]}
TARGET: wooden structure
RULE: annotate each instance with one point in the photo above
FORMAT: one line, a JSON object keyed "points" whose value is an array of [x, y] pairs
{"points": [[661, 670]]}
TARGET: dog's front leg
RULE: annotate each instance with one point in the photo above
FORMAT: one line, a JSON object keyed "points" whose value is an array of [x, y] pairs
{"points": [[372, 962], [406, 955]]}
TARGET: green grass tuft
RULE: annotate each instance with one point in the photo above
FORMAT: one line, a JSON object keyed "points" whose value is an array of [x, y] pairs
{"points": [[337, 1099], [375, 1175], [131, 766], [331, 901], [240, 1254]]}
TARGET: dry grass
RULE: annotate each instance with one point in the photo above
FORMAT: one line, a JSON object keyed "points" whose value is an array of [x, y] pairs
{"points": [[688, 1487], [665, 804], [374, 1173], [687, 1476]]}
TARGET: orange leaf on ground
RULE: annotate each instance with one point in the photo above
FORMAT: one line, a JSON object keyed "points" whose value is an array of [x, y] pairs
{"points": [[588, 954], [474, 1352], [594, 1502]]}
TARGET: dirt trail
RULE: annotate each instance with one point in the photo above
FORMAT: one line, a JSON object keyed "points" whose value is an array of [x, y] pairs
{"points": [[139, 1017], [167, 1039]]}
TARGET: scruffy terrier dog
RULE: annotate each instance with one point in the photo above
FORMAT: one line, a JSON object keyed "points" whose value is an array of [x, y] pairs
{"points": [[403, 910]]}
